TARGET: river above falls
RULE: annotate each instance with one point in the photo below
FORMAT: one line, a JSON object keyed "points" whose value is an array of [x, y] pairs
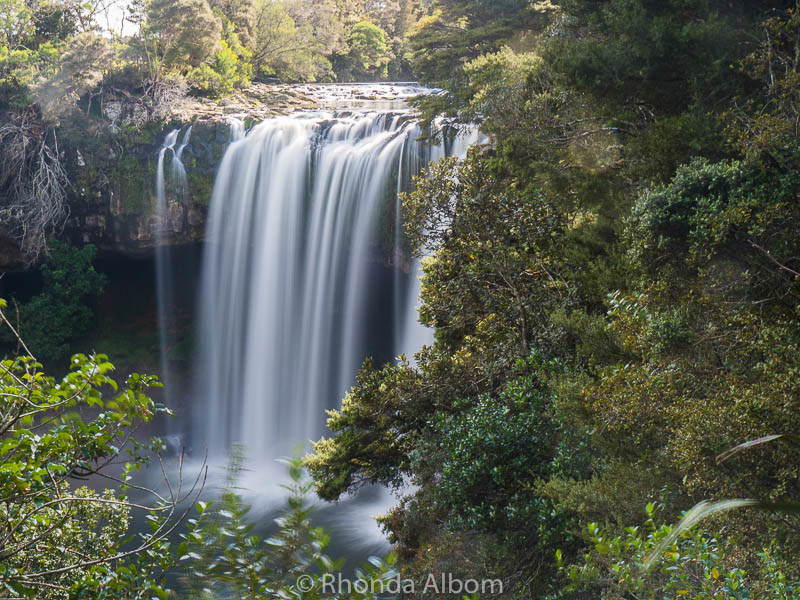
{"points": [[363, 96]]}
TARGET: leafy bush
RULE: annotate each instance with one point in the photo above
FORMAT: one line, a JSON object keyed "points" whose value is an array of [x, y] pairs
{"points": [[225, 560], [697, 566], [227, 69], [63, 310], [727, 211], [222, 75], [494, 451], [61, 541]]}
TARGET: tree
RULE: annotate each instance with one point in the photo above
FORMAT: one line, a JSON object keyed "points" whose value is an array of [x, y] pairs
{"points": [[350, 12], [84, 64], [241, 15], [405, 19], [178, 35], [287, 48], [488, 290], [58, 540], [16, 24], [22, 56], [763, 123], [461, 30], [368, 48], [634, 49], [383, 13], [368, 54], [329, 31], [227, 69]]}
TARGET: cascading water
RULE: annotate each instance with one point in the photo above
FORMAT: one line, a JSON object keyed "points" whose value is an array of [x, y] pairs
{"points": [[295, 290], [164, 275], [410, 334]]}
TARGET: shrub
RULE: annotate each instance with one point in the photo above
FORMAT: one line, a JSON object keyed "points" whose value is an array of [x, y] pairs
{"points": [[60, 540], [63, 310], [224, 559], [698, 566]]}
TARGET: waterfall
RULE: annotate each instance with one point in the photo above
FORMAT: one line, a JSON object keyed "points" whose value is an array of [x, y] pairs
{"points": [[296, 286], [164, 274]]}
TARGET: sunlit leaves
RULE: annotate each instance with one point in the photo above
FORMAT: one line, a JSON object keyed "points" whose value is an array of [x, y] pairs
{"points": [[56, 537]]}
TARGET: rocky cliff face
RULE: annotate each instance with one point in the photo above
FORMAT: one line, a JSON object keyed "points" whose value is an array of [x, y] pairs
{"points": [[114, 207], [112, 168], [117, 209]]}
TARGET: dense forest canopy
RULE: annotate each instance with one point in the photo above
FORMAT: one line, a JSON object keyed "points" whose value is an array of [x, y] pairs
{"points": [[612, 281]]}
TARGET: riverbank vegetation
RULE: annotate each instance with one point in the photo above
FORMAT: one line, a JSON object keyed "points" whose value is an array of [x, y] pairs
{"points": [[613, 282]]}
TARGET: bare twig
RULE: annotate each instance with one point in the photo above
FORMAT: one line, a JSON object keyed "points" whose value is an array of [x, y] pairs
{"points": [[768, 254], [33, 182]]}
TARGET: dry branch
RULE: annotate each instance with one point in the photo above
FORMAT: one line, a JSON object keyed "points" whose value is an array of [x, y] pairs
{"points": [[33, 182]]}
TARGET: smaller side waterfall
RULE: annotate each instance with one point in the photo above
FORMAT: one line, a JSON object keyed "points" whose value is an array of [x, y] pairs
{"points": [[178, 185], [410, 334], [178, 170]]}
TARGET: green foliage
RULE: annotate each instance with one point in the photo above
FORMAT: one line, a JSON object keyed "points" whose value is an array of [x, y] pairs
{"points": [[51, 320], [224, 559], [728, 211], [705, 509], [374, 432], [178, 35], [634, 219], [696, 566], [228, 68], [764, 127], [667, 55], [368, 55], [458, 31], [235, 15], [24, 55], [219, 78], [656, 406], [494, 451], [58, 540], [490, 277], [293, 49], [84, 62]]}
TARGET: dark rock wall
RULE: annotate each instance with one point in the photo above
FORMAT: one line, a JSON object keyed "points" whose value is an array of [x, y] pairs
{"points": [[114, 207]]}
